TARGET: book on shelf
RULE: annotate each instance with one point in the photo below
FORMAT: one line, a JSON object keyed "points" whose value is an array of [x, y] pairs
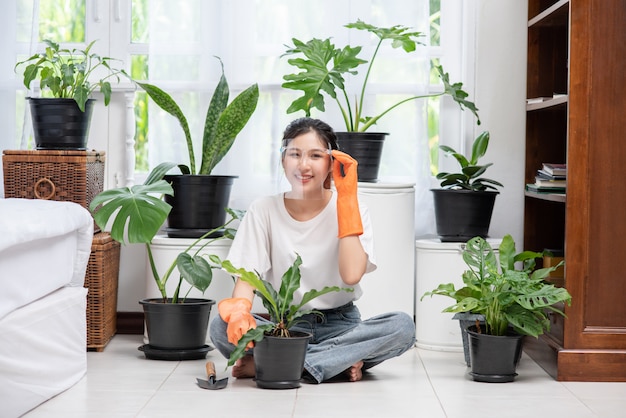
{"points": [[545, 175], [531, 187], [541, 181], [555, 169]]}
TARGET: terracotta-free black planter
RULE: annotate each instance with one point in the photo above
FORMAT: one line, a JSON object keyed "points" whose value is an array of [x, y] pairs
{"points": [[177, 326], [463, 214], [59, 123], [279, 362], [493, 358], [198, 204], [366, 148]]}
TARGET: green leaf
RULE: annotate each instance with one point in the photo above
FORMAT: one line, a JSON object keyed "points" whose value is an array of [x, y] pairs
{"points": [[134, 209], [231, 121], [323, 70], [479, 148], [169, 105], [290, 282], [255, 334], [195, 270], [457, 93]]}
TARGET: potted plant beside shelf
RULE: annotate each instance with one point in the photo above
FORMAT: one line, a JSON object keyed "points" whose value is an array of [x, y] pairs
{"points": [[176, 324], [464, 203], [199, 198], [513, 302], [279, 351], [323, 71], [61, 118]]}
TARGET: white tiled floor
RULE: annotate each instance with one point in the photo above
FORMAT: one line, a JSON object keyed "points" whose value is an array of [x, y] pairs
{"points": [[120, 382]]}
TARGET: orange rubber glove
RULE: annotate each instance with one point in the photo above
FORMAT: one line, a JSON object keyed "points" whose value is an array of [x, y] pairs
{"points": [[348, 214], [236, 311]]}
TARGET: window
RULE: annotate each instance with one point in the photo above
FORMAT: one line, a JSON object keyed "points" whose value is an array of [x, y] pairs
{"points": [[249, 36]]}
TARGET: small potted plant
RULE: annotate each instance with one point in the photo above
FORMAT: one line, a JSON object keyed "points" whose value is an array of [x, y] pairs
{"points": [[323, 71], [514, 302], [199, 198], [464, 203], [66, 79], [279, 352], [176, 324]]}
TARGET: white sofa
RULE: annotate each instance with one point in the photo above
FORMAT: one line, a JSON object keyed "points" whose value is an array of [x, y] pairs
{"points": [[44, 251]]}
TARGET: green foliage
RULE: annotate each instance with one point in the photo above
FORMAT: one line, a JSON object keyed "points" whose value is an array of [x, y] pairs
{"points": [[470, 176], [137, 215], [66, 72], [324, 68], [223, 121], [284, 313], [505, 296]]}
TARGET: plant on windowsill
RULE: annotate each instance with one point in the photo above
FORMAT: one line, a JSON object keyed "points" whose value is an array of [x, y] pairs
{"points": [[514, 302], [199, 197], [66, 78], [136, 214], [277, 367], [324, 69], [464, 203]]}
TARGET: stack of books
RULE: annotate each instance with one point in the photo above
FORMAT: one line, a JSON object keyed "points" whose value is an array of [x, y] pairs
{"points": [[550, 178]]}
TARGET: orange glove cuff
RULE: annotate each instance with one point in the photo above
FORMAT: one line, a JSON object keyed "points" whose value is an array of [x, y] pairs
{"points": [[229, 306]]}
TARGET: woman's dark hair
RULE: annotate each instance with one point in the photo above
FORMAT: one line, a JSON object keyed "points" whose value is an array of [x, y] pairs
{"points": [[303, 125]]}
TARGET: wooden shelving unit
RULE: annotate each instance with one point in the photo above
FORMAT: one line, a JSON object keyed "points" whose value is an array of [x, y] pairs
{"points": [[577, 54]]}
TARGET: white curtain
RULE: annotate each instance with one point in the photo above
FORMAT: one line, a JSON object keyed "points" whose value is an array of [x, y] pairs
{"points": [[250, 36]]}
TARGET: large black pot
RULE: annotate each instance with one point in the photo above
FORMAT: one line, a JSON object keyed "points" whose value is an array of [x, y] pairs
{"points": [[463, 214], [59, 123], [279, 362], [493, 358], [366, 148], [198, 204], [177, 326]]}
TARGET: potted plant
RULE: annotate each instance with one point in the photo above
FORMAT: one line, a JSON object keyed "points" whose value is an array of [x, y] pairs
{"points": [[62, 120], [323, 71], [199, 198], [279, 351], [464, 204], [514, 302], [176, 325]]}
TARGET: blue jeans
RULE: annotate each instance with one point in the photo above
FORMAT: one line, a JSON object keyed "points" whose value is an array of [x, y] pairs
{"points": [[340, 339]]}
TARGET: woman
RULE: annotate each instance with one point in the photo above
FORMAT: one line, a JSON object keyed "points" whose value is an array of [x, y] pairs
{"points": [[332, 233]]}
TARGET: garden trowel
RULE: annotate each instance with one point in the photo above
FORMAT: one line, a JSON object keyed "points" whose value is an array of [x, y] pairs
{"points": [[212, 383]]}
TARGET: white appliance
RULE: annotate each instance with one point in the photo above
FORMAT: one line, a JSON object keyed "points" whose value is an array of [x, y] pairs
{"points": [[439, 262], [392, 286]]}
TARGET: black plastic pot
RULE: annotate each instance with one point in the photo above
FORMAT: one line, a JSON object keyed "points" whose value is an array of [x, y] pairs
{"points": [[467, 319], [198, 204], [279, 362], [463, 214], [367, 149], [493, 358], [59, 123], [177, 326]]}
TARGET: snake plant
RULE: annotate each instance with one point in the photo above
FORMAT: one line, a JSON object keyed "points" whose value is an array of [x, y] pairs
{"points": [[222, 124]]}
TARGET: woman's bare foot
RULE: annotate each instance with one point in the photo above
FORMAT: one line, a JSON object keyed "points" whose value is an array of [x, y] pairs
{"points": [[244, 368], [355, 372]]}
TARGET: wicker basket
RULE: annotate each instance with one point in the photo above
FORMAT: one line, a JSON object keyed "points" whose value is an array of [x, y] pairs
{"points": [[75, 176], [101, 280]]}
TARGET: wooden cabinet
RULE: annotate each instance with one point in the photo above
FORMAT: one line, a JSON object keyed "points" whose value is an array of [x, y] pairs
{"points": [[577, 57]]}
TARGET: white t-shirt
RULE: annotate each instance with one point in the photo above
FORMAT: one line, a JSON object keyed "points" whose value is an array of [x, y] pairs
{"points": [[268, 239]]}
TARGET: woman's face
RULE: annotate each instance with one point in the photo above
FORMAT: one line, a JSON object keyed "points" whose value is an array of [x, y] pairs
{"points": [[306, 161]]}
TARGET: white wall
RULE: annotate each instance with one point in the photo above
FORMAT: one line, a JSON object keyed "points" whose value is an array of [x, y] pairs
{"points": [[499, 77], [500, 80]]}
